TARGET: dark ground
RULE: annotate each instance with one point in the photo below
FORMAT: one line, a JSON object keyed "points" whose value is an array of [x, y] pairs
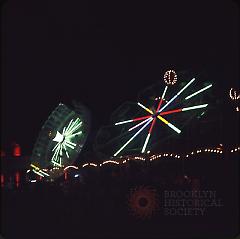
{"points": [[97, 205]]}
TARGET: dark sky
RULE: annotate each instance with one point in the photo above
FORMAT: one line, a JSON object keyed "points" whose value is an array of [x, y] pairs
{"points": [[104, 53]]}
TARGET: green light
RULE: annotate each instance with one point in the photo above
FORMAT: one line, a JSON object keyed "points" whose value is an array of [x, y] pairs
{"points": [[64, 141]]}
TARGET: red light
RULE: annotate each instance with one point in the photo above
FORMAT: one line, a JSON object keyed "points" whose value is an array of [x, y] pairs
{"points": [[17, 179], [17, 150], [2, 180], [65, 175]]}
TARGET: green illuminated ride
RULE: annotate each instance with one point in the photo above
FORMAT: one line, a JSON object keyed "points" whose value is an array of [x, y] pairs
{"points": [[61, 138]]}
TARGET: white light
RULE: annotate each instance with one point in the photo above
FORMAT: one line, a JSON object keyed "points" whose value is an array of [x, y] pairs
{"points": [[139, 124], [164, 92], [44, 173], [123, 122], [38, 173], [76, 175], [170, 101], [146, 142], [93, 164], [132, 138], [197, 92], [195, 107], [110, 161], [59, 137], [70, 166], [33, 181], [174, 128]]}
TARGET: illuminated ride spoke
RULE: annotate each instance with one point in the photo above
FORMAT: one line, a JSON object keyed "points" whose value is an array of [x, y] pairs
{"points": [[64, 141], [146, 120]]}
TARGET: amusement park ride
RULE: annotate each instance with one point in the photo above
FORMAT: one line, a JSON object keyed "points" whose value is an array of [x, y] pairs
{"points": [[64, 134]]}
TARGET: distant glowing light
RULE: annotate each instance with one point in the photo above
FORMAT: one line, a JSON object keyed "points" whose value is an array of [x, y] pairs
{"points": [[93, 164], [16, 150], [170, 77], [233, 94], [110, 161], [70, 166], [84, 165]]}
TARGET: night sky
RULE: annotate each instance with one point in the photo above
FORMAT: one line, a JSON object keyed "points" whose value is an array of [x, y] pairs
{"points": [[104, 53]]}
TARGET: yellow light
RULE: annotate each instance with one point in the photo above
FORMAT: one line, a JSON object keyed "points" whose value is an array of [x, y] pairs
{"points": [[162, 119]]}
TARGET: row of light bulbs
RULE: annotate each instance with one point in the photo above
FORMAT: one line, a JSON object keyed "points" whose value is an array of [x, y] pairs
{"points": [[153, 157], [235, 150]]}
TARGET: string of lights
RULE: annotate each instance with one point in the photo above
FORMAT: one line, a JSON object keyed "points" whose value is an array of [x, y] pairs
{"points": [[124, 159]]}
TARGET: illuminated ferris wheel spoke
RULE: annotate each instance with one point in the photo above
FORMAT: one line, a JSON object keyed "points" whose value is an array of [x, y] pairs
{"points": [[139, 131], [162, 98], [72, 135], [194, 107], [170, 112], [133, 120], [134, 127], [69, 145], [163, 120], [55, 146], [152, 125], [174, 97], [55, 155], [69, 142], [55, 163], [146, 141], [184, 109], [199, 91], [55, 152], [72, 125], [154, 121], [145, 108], [169, 124], [64, 146], [64, 130], [75, 128]]}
